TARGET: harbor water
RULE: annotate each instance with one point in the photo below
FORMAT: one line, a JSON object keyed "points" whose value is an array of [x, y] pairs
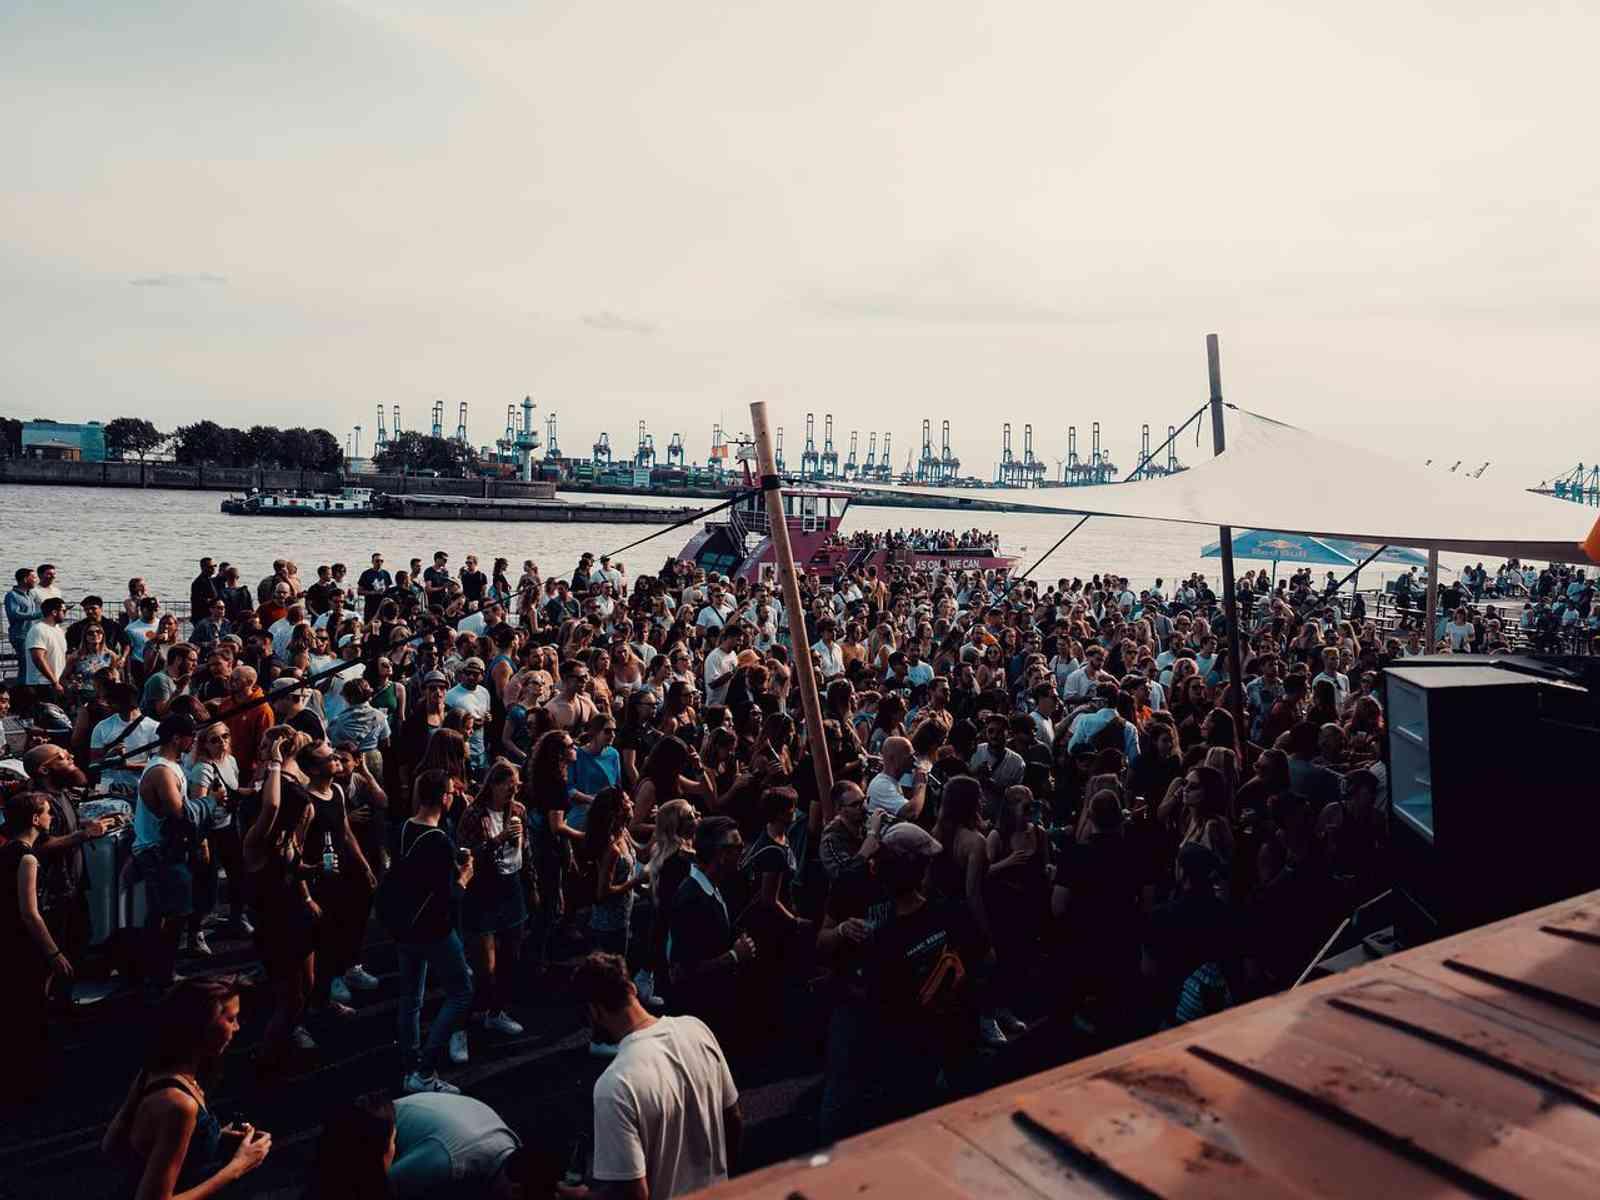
{"points": [[99, 538]]}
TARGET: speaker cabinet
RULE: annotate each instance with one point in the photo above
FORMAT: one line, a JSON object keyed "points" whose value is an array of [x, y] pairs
{"points": [[1493, 806]]}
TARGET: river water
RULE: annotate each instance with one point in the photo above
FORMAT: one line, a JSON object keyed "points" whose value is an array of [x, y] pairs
{"points": [[98, 538]]}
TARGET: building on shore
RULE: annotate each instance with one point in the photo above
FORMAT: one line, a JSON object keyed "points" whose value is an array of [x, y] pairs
{"points": [[64, 442]]}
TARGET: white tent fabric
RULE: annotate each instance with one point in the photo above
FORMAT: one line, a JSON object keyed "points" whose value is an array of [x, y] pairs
{"points": [[1279, 477]]}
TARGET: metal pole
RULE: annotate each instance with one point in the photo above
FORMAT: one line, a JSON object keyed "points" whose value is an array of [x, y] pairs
{"points": [[1430, 635], [805, 678], [1230, 603]]}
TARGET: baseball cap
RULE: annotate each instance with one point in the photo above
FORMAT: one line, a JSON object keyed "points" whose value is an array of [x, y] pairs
{"points": [[286, 683], [435, 679], [472, 664], [910, 839]]}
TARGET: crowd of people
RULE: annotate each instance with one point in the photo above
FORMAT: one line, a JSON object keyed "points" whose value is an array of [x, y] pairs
{"points": [[975, 540], [1042, 807]]}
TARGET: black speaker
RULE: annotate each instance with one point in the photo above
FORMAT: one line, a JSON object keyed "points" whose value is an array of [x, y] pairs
{"points": [[1493, 804]]}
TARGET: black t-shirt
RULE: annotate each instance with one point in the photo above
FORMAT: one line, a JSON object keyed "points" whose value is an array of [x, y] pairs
{"points": [[436, 579], [310, 724], [473, 584], [115, 638], [375, 579], [428, 873], [903, 954], [319, 596]]}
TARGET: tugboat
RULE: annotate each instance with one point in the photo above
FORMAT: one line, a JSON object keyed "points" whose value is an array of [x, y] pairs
{"points": [[348, 502], [741, 545]]}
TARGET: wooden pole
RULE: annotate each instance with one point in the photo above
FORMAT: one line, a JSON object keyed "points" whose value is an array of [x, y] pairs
{"points": [[805, 678], [1230, 603], [1430, 635]]}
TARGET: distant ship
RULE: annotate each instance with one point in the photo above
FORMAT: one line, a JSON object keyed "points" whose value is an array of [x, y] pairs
{"points": [[347, 502]]}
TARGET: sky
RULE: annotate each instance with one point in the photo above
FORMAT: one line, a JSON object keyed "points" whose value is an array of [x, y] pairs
{"points": [[290, 213]]}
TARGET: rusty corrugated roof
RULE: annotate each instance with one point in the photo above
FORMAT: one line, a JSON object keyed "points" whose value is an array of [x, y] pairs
{"points": [[1470, 1066]]}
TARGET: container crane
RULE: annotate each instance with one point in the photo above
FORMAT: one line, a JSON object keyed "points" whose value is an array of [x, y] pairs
{"points": [[602, 451], [852, 467], [809, 456], [552, 447], [675, 451], [949, 464], [1005, 472], [777, 455], [396, 420], [927, 465], [886, 463], [1033, 469], [644, 458], [830, 456], [461, 424], [438, 418], [382, 438], [870, 469]]}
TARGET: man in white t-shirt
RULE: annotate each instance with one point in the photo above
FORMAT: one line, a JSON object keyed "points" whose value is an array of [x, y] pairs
{"points": [[46, 588], [45, 648], [718, 608], [667, 1120], [124, 698], [721, 665], [829, 653], [470, 696], [887, 792]]}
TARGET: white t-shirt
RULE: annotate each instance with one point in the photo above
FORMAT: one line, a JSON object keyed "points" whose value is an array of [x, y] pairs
{"points": [[831, 658], [41, 594], [471, 623], [658, 1110], [718, 663], [53, 641], [107, 731], [884, 792]]}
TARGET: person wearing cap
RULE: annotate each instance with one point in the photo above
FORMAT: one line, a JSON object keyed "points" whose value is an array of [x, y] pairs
{"points": [[905, 1013], [333, 702], [471, 697], [161, 845]]}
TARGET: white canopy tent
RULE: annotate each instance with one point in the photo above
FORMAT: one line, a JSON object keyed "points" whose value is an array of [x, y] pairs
{"points": [[1279, 477]]}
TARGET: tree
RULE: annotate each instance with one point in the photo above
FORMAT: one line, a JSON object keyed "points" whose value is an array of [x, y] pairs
{"points": [[10, 437], [202, 442], [328, 455], [413, 451], [260, 446], [135, 434]]}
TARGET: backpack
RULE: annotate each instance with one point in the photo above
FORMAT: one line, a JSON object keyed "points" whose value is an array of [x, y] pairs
{"points": [[402, 899]]}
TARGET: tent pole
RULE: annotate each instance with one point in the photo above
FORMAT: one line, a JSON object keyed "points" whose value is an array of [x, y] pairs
{"points": [[1430, 637], [804, 677], [1230, 601]]}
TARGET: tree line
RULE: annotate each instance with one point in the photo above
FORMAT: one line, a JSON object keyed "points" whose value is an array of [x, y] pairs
{"points": [[210, 444]]}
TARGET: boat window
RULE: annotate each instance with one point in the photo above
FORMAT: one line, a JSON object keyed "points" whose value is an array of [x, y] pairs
{"points": [[808, 514]]}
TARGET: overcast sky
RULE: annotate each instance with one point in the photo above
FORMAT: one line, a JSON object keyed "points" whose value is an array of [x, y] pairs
{"points": [[291, 212]]}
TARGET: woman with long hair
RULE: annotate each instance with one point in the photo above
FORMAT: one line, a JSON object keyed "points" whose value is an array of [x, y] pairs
{"points": [[618, 874], [1205, 811], [551, 840], [170, 1144], [274, 855], [672, 770], [447, 752], [215, 773], [495, 907], [961, 868], [637, 736], [1017, 898], [32, 955], [90, 657], [668, 858]]}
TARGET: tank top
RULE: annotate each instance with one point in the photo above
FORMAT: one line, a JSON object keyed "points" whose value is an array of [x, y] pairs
{"points": [[204, 1155], [146, 825], [616, 911]]}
